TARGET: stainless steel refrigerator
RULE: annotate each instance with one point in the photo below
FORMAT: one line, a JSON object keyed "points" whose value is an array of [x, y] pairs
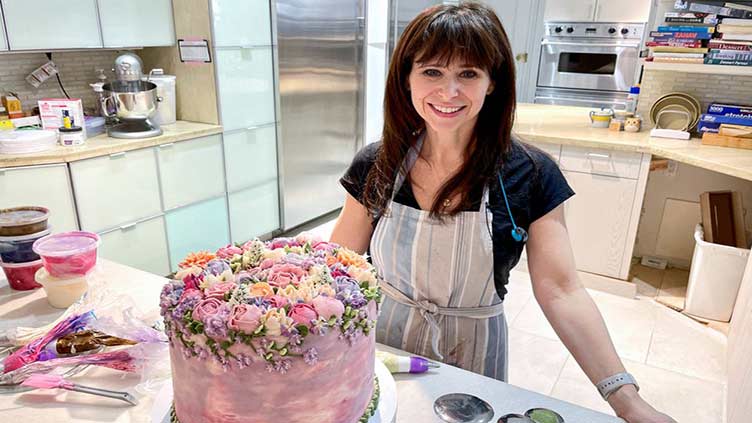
{"points": [[320, 45]]}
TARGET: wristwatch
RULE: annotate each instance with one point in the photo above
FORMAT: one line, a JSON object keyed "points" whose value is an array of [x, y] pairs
{"points": [[609, 385]]}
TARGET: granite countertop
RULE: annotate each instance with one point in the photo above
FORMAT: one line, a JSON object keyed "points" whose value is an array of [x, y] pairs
{"points": [[415, 393], [102, 145], [569, 125]]}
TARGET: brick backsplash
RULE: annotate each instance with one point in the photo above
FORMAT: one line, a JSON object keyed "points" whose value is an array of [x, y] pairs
{"points": [[707, 88], [77, 71]]}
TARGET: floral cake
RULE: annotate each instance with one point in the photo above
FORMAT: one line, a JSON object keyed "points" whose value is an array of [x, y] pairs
{"points": [[277, 331]]}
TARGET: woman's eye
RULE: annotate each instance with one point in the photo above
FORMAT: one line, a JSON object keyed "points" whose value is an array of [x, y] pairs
{"points": [[431, 73], [469, 74]]}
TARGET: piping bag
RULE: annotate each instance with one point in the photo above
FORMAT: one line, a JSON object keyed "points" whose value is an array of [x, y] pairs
{"points": [[404, 364]]}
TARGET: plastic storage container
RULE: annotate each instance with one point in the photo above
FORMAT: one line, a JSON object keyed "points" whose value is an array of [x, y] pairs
{"points": [[18, 249], [68, 254], [23, 220], [61, 293], [21, 275], [95, 125], [27, 141], [714, 279]]}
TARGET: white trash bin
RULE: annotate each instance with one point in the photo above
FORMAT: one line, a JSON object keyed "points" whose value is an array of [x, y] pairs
{"points": [[714, 278]]}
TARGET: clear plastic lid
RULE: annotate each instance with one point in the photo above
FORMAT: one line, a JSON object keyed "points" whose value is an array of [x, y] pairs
{"points": [[18, 216], [21, 238], [66, 243]]}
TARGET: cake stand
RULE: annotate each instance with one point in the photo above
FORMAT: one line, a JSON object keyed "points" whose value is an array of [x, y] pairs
{"points": [[386, 412]]}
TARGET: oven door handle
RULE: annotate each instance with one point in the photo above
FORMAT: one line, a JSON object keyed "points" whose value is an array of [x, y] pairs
{"points": [[567, 43]]}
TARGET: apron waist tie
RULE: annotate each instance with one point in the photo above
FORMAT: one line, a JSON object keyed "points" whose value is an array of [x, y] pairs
{"points": [[429, 310]]}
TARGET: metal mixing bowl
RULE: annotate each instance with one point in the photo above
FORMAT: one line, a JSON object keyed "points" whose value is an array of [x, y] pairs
{"points": [[130, 100]]}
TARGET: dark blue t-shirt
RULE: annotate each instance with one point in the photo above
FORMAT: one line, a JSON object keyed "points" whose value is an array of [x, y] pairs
{"points": [[534, 186]]}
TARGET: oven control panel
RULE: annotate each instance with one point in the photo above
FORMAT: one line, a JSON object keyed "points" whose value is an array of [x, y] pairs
{"points": [[595, 30]]}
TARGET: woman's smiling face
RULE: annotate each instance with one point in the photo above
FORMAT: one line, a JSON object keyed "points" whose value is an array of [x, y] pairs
{"points": [[448, 97]]}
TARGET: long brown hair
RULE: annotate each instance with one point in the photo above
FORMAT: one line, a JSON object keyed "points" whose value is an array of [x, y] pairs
{"points": [[473, 34]]}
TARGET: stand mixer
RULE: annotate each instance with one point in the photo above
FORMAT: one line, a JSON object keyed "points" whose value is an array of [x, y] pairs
{"points": [[133, 101]]}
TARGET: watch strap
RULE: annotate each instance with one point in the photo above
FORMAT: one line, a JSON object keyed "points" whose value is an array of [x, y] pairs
{"points": [[609, 385]]}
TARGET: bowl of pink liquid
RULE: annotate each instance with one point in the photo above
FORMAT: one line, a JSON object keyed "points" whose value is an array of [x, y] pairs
{"points": [[68, 254]]}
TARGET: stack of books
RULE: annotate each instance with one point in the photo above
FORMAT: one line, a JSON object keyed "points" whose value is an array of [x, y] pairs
{"points": [[727, 125], [683, 38], [732, 42]]}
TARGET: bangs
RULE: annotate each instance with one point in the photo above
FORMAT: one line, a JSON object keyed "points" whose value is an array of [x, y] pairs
{"points": [[456, 36]]}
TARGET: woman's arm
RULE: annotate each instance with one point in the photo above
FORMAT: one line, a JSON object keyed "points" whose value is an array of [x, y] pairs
{"points": [[354, 226], [575, 317]]}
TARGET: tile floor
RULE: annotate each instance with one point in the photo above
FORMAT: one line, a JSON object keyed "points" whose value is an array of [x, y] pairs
{"points": [[679, 362]]}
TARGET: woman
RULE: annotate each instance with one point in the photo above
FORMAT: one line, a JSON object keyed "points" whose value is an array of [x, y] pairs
{"points": [[445, 202]]}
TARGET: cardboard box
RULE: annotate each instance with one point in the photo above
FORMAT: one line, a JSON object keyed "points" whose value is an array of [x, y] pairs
{"points": [[52, 110]]}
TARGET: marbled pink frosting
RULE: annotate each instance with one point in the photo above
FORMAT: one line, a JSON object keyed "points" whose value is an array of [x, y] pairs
{"points": [[336, 389]]}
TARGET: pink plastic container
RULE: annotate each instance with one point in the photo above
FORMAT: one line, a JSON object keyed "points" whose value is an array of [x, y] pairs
{"points": [[21, 275], [68, 254]]}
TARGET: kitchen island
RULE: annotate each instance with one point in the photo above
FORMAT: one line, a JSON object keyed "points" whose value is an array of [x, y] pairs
{"points": [[415, 393]]}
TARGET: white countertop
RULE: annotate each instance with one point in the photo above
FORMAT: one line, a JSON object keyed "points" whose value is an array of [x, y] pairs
{"points": [[415, 393]]}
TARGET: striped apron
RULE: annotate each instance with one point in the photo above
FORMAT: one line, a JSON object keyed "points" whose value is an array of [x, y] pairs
{"points": [[438, 280]]}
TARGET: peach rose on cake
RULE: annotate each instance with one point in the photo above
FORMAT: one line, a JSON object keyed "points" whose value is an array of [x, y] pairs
{"points": [[260, 289]]}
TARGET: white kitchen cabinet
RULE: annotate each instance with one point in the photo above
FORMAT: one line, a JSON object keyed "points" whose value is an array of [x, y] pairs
{"points": [[142, 245], [51, 24], [46, 186], [191, 171], [199, 227], [254, 211], [554, 150], [598, 221], [239, 23], [622, 11], [245, 78], [250, 157], [600, 161], [136, 23], [117, 189], [569, 10]]}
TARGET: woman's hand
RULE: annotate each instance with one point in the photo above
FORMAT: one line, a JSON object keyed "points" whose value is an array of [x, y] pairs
{"points": [[630, 406]]}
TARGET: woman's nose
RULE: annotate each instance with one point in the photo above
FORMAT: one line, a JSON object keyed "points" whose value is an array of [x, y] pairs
{"points": [[450, 88]]}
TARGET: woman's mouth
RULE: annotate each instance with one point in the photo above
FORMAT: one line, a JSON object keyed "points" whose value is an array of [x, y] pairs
{"points": [[445, 111]]}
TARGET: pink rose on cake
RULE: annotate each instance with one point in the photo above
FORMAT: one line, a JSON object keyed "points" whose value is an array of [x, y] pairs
{"points": [[229, 251], [245, 318], [325, 246], [281, 275], [303, 314], [219, 290], [207, 307], [328, 307], [278, 301]]}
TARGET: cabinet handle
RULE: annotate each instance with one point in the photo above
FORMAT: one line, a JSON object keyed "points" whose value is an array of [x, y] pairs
{"points": [[117, 155], [598, 156], [169, 144], [128, 226]]}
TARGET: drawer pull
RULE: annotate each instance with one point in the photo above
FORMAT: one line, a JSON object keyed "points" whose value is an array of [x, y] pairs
{"points": [[598, 156], [128, 226], [117, 155], [169, 144]]}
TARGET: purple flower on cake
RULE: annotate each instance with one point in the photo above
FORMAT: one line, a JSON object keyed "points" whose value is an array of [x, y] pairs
{"points": [[338, 271], [216, 267], [228, 252], [345, 283], [207, 307], [215, 325], [303, 314], [311, 356], [188, 301], [355, 299], [246, 277], [245, 318], [170, 296], [328, 307], [281, 275], [219, 290]]}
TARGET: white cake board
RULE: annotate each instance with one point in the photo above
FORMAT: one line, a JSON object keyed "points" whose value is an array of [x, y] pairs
{"points": [[386, 412]]}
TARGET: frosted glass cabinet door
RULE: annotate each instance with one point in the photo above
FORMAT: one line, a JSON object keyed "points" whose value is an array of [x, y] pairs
{"points": [[250, 157], [240, 23], [246, 87], [51, 24], [135, 23], [46, 186], [200, 227], [254, 211], [142, 245], [116, 189], [191, 171], [569, 10]]}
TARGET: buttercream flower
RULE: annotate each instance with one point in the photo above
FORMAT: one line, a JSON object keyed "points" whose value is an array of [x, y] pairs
{"points": [[261, 289], [245, 318], [274, 254], [211, 280], [346, 283], [199, 259], [338, 270], [253, 244], [349, 257], [363, 275], [282, 275], [303, 314], [229, 252], [245, 277], [207, 307], [281, 243], [219, 290], [266, 263], [325, 246], [278, 301], [216, 267], [274, 320], [328, 307]]}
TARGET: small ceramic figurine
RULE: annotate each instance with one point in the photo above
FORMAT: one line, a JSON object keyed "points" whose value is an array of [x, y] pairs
{"points": [[632, 124]]}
